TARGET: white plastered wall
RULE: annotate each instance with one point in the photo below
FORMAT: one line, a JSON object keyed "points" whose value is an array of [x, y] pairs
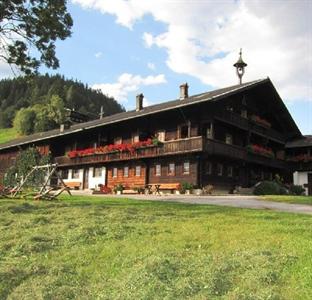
{"points": [[95, 181], [71, 179], [301, 178]]}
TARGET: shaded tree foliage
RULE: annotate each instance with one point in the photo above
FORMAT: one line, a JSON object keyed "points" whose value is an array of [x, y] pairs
{"points": [[24, 163], [32, 24]]}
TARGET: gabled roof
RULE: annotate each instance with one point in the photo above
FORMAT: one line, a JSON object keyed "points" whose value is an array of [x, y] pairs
{"points": [[305, 141], [153, 109]]}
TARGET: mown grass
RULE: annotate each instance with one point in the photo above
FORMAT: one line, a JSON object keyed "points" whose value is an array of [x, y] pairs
{"points": [[7, 134], [94, 248], [289, 199]]}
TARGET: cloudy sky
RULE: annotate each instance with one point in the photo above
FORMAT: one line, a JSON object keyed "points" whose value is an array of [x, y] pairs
{"points": [[127, 47]]}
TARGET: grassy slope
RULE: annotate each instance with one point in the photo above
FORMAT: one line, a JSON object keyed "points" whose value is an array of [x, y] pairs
{"points": [[289, 199], [7, 134], [125, 249]]}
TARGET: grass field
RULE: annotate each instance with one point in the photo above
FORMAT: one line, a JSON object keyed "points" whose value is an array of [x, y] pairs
{"points": [[7, 134], [125, 249], [289, 199]]}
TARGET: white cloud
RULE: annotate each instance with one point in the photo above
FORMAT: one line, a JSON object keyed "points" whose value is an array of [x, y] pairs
{"points": [[151, 66], [203, 38], [128, 83], [98, 54]]}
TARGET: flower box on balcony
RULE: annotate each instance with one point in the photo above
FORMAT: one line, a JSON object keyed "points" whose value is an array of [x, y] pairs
{"points": [[260, 121], [110, 149], [300, 158], [257, 149]]}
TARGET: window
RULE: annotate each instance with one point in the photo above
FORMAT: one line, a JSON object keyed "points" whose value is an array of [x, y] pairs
{"points": [[171, 169], [244, 113], [158, 170], [97, 172], [115, 170], [184, 130], [64, 174], [126, 172], [75, 174], [228, 139], [117, 140], [138, 171], [161, 135], [208, 168], [219, 169], [186, 167], [230, 171], [209, 134], [135, 137]]}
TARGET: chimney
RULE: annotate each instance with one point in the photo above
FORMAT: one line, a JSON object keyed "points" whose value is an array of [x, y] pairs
{"points": [[183, 91], [139, 102]]}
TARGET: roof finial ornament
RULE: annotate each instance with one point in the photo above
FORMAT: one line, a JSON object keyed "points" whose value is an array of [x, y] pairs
{"points": [[240, 67]]}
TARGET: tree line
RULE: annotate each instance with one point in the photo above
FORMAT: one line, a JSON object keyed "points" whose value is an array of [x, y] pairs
{"points": [[37, 103]]}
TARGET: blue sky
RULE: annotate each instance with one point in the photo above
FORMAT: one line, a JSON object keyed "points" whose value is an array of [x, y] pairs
{"points": [[128, 47]]}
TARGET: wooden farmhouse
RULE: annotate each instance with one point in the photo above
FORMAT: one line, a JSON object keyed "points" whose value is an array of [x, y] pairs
{"points": [[235, 136]]}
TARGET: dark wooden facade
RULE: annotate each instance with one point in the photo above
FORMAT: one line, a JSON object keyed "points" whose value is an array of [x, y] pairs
{"points": [[207, 142]]}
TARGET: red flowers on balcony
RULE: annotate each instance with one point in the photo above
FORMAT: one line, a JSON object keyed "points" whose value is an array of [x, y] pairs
{"points": [[254, 148], [113, 148], [300, 158], [260, 121]]}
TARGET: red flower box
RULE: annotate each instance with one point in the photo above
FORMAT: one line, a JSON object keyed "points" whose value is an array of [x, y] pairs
{"points": [[254, 148]]}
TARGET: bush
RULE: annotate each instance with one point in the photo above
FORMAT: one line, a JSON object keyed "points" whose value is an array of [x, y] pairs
{"points": [[267, 188], [185, 186], [296, 190]]}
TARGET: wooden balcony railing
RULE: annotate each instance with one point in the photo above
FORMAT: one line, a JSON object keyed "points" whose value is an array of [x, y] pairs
{"points": [[237, 120], [194, 144]]}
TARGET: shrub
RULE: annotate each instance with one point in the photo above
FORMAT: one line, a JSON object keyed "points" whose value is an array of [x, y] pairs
{"points": [[296, 190], [267, 188], [118, 188], [185, 186]]}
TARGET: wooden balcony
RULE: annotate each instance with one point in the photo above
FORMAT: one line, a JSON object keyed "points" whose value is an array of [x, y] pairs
{"points": [[194, 144], [219, 148], [301, 166], [243, 123]]}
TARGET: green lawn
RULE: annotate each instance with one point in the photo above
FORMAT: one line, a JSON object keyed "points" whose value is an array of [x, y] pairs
{"points": [[125, 249], [7, 134], [289, 199]]}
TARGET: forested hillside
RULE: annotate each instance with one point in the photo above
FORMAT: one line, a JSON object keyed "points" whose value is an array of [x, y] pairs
{"points": [[45, 98]]}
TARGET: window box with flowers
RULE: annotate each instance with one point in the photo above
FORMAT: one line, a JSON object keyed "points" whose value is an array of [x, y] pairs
{"points": [[260, 121], [300, 158], [257, 149], [131, 148]]}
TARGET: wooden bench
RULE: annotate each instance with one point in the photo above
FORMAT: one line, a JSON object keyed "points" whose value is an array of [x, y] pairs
{"points": [[73, 184], [165, 186]]}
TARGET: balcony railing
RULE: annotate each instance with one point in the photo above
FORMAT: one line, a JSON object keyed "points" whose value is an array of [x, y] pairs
{"points": [[237, 120], [194, 144]]}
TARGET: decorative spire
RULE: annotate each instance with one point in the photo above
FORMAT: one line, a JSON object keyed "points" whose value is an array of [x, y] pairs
{"points": [[240, 67]]}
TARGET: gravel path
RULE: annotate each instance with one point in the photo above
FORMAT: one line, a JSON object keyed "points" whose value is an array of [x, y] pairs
{"points": [[252, 202]]}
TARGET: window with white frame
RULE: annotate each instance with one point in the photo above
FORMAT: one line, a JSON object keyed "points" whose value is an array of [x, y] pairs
{"points": [[126, 171], [171, 169], [75, 174], [186, 167], [138, 171], [115, 171], [161, 135], [158, 170], [97, 172], [135, 137], [219, 169], [228, 139]]}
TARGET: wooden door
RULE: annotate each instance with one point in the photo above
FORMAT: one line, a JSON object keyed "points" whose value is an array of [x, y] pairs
{"points": [[85, 178]]}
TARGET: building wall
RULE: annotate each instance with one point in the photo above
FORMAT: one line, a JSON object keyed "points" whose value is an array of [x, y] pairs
{"points": [[129, 182], [71, 179], [179, 176], [95, 181], [301, 178]]}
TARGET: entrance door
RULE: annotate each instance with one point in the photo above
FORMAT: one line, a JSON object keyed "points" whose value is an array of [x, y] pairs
{"points": [[85, 179], [310, 184]]}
